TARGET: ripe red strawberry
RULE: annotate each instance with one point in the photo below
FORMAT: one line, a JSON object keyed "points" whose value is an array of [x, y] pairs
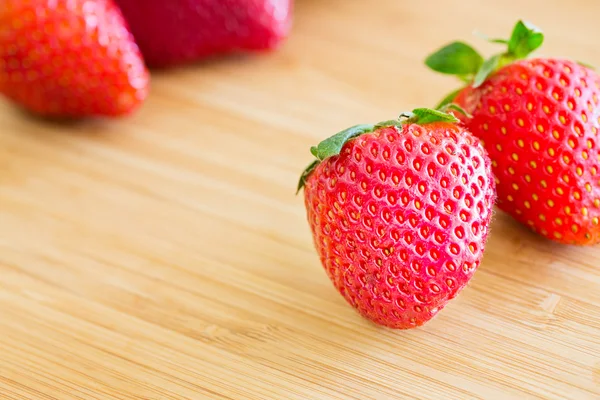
{"points": [[69, 58], [178, 31], [400, 213], [539, 120]]}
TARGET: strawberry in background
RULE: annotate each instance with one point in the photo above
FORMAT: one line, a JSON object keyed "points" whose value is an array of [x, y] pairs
{"points": [[179, 31], [539, 118], [70, 58]]}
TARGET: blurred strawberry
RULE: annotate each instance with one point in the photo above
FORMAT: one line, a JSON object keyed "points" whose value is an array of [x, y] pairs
{"points": [[69, 58], [178, 31]]}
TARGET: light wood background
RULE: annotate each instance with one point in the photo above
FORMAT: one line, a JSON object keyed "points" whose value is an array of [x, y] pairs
{"points": [[165, 256]]}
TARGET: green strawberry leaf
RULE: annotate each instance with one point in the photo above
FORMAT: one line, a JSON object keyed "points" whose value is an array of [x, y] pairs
{"points": [[391, 122], [583, 64], [486, 69], [424, 116], [462, 60], [305, 175], [456, 58], [488, 39], [524, 40], [448, 99], [333, 145], [455, 107]]}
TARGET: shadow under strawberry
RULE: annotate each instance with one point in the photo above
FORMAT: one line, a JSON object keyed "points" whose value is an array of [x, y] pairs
{"points": [[70, 125]]}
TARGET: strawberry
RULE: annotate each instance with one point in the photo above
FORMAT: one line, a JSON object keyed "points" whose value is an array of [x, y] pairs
{"points": [[69, 58], [399, 213], [179, 31], [538, 119]]}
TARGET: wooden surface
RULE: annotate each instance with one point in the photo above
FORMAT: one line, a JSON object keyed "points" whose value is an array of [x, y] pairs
{"points": [[165, 256]]}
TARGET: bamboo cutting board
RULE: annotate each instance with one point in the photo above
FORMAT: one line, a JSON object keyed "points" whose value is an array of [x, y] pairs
{"points": [[165, 256]]}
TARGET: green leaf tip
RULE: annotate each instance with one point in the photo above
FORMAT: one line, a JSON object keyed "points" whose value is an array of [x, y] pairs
{"points": [[391, 122], [455, 107], [486, 69], [333, 145], [456, 58], [524, 40], [424, 116], [584, 64], [489, 39], [448, 99], [305, 175]]}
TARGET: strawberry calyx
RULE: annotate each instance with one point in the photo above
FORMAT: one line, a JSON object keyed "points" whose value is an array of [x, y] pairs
{"points": [[463, 61], [332, 146]]}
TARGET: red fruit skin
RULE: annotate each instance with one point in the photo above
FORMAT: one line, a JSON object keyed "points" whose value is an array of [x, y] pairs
{"points": [[70, 58], [400, 219], [539, 121], [179, 31]]}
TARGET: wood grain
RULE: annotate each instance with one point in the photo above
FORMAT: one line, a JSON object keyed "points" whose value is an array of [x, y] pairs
{"points": [[165, 256]]}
